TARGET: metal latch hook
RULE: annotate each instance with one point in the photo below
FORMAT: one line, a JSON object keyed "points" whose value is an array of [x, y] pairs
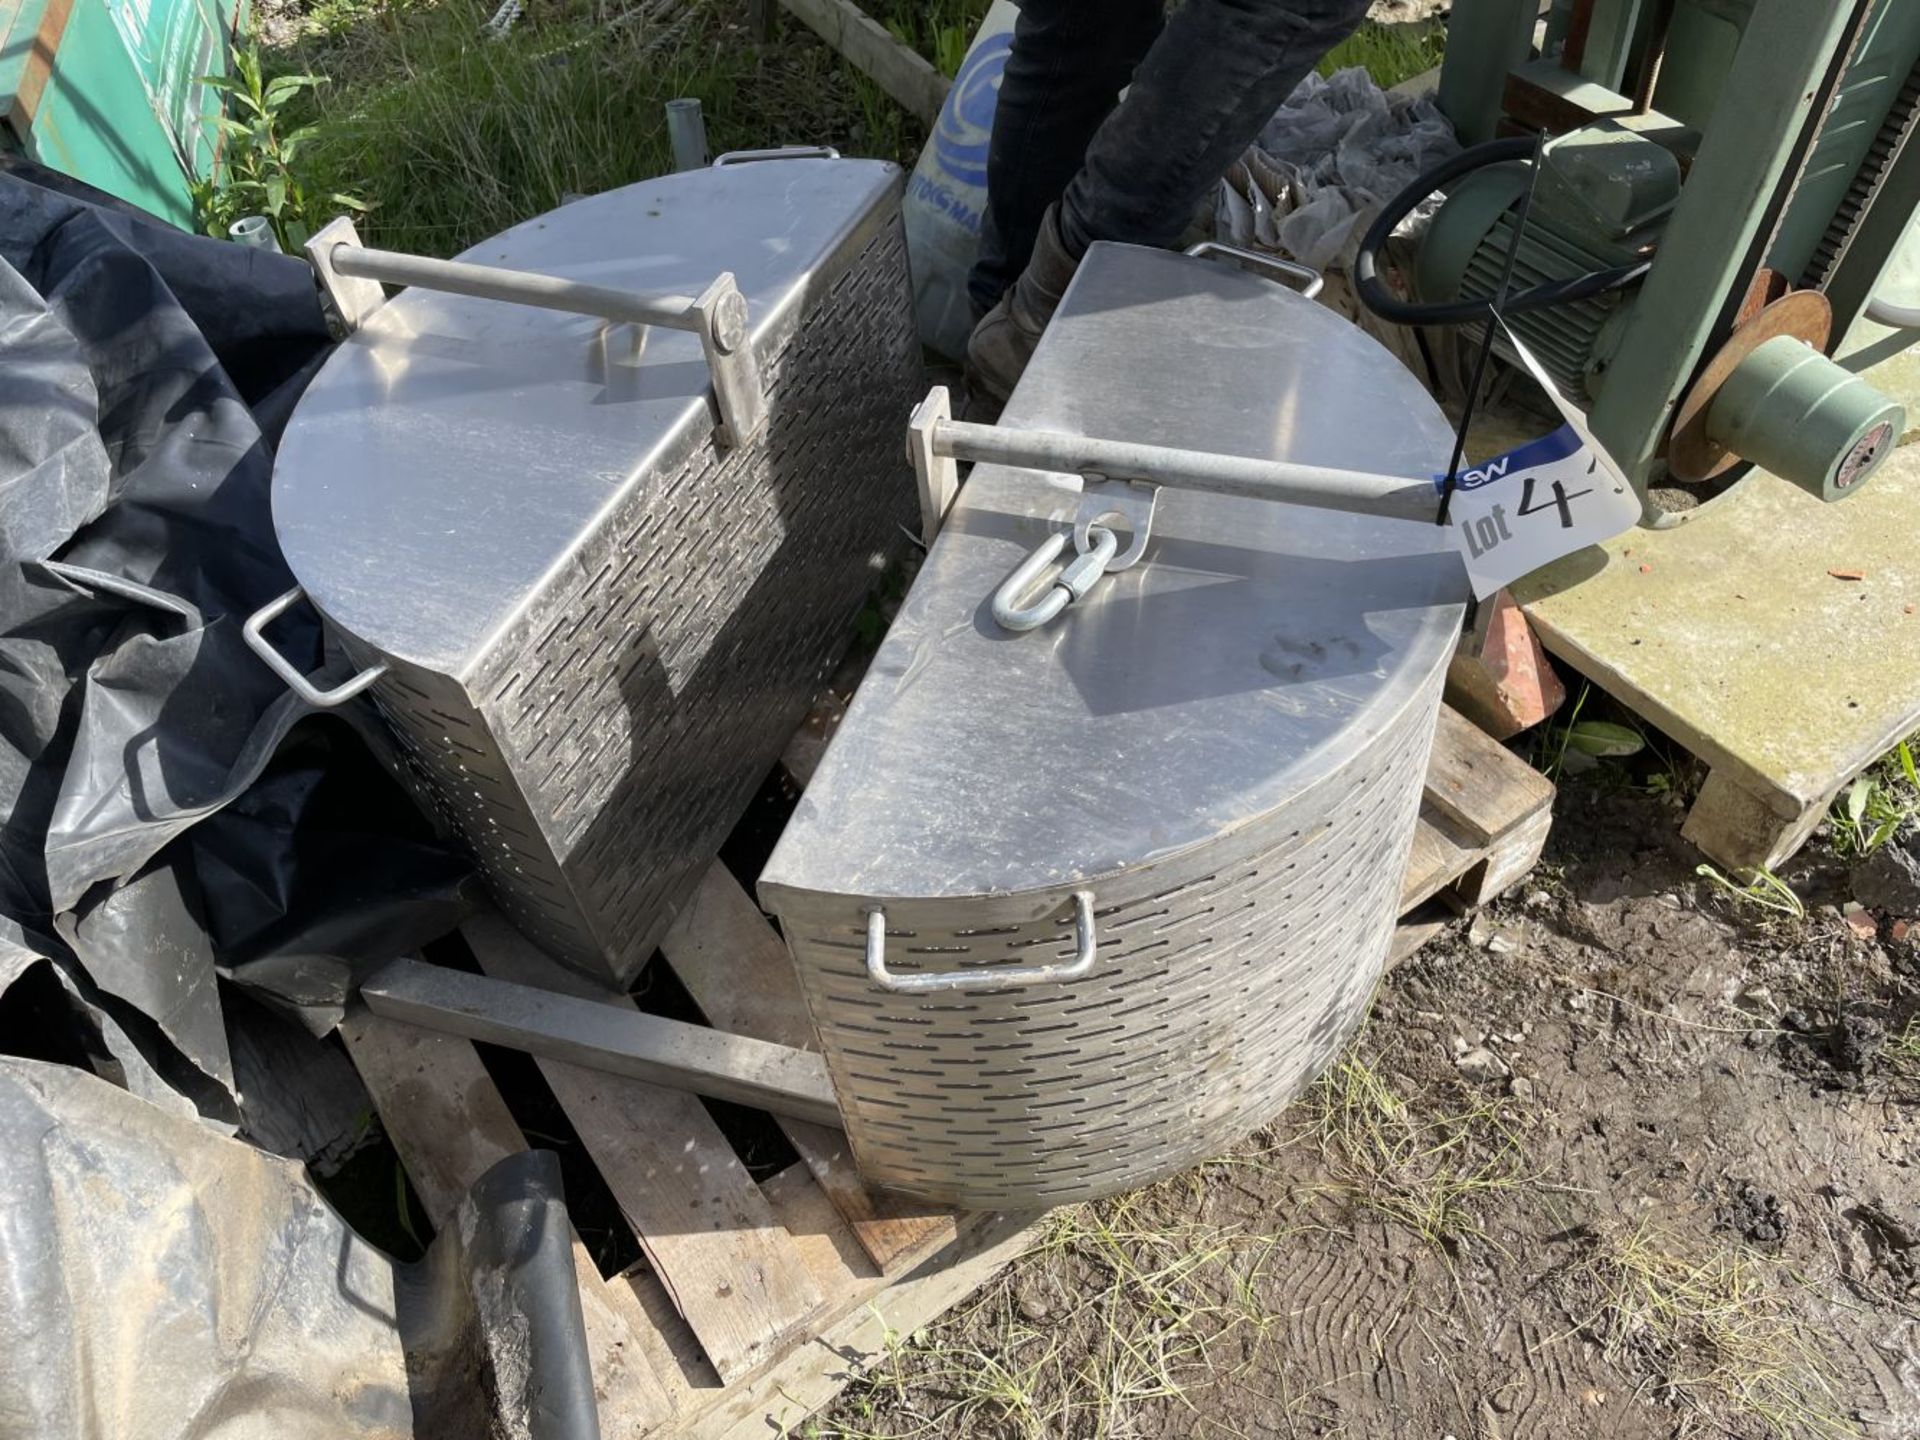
{"points": [[1012, 607]]}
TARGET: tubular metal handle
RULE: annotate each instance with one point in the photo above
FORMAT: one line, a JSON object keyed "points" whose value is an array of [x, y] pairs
{"points": [[352, 275], [278, 663], [984, 979], [1304, 278], [782, 152], [517, 287]]}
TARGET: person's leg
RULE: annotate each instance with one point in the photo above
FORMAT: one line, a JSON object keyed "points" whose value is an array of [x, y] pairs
{"points": [[1215, 76], [1070, 61]]}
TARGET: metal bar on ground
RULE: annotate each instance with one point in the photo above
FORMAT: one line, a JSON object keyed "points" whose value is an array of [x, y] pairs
{"points": [[602, 1037], [1395, 497]]}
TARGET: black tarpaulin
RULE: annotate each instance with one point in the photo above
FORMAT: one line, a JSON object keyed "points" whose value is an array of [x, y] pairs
{"points": [[173, 814]]}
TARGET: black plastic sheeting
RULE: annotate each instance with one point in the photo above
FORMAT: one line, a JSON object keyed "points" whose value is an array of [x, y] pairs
{"points": [[177, 825], [165, 1281], [174, 817]]}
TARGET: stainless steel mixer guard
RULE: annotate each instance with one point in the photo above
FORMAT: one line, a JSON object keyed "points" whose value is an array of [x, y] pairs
{"points": [[1224, 747], [591, 698]]}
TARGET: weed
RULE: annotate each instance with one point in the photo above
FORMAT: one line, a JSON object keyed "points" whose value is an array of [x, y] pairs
{"points": [[1556, 736], [1420, 1172], [1389, 53], [1712, 1331], [452, 136], [262, 170], [1879, 805], [940, 30], [1765, 891], [1902, 1048], [1571, 745], [1158, 1306]]}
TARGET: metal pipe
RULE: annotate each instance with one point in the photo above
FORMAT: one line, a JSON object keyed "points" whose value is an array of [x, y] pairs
{"points": [[255, 231], [687, 134], [1892, 314], [487, 282], [1324, 488], [612, 1038]]}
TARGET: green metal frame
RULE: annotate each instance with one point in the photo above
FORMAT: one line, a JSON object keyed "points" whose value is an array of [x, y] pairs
{"points": [[103, 90], [1485, 40], [1707, 253]]}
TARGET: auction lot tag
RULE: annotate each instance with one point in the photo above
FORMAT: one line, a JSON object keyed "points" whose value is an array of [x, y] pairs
{"points": [[1552, 496]]}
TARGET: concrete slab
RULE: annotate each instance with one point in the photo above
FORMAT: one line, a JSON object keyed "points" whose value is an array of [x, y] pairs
{"points": [[1733, 634]]}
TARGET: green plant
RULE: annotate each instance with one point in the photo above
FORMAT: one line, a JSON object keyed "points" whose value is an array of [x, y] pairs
{"points": [[1572, 745], [261, 171], [1387, 52], [1903, 1048], [1765, 891], [452, 135], [1879, 804], [941, 30]]}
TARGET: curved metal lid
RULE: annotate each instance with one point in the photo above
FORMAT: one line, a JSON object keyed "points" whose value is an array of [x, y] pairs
{"points": [[454, 451], [1256, 646]]}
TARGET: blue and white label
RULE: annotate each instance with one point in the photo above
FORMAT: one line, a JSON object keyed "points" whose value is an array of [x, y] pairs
{"points": [[1548, 498]]}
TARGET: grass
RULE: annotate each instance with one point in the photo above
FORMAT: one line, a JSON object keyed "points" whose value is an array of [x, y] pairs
{"points": [[1157, 1307], [1421, 1171], [1882, 804], [1714, 1331], [451, 136], [1389, 53], [1764, 891], [941, 30], [1150, 1307]]}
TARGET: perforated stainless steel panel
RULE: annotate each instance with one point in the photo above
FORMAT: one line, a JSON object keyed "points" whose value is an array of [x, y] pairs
{"points": [[594, 750], [1226, 980]]}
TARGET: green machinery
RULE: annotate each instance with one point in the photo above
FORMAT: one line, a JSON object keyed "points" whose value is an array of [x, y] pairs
{"points": [[107, 91], [1752, 158], [1727, 188]]}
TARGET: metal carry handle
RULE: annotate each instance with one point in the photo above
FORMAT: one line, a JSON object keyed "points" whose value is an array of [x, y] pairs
{"points": [[1304, 278], [781, 152], [984, 979], [281, 666], [352, 276]]}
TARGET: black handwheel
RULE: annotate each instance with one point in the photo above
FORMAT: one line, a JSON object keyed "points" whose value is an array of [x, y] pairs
{"points": [[1375, 295]]}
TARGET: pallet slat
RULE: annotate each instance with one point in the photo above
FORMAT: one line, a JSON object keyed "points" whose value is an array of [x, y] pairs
{"points": [[447, 1121], [808, 1377], [707, 1230], [1438, 858], [739, 974], [1478, 783]]}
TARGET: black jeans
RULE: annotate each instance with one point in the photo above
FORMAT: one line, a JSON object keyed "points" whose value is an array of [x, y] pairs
{"points": [[1205, 79]]}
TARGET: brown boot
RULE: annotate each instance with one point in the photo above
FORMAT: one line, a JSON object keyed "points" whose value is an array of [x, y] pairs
{"points": [[1003, 341]]}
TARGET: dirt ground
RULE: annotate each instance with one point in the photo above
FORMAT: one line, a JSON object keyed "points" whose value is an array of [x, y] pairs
{"points": [[1622, 1156]]}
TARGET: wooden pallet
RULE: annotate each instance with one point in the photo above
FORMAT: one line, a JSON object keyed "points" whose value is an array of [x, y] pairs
{"points": [[760, 1300]]}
